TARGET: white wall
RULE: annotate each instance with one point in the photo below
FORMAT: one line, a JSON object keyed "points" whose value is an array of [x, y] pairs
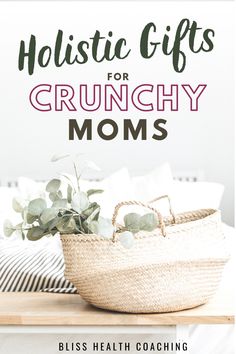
{"points": [[196, 140]]}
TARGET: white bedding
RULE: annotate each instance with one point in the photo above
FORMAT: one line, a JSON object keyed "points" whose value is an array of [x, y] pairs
{"points": [[38, 266], [122, 186]]}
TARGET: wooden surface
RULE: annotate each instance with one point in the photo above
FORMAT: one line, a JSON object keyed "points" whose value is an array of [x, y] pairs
{"points": [[64, 310]]}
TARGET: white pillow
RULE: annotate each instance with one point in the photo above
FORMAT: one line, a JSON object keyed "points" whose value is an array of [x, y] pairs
{"points": [[6, 196], [117, 188], [154, 184], [29, 189], [145, 188], [187, 196], [120, 187]]}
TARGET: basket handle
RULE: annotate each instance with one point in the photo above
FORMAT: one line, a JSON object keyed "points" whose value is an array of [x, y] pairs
{"points": [[133, 202], [170, 207]]}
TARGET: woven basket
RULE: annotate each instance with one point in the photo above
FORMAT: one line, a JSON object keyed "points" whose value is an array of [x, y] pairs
{"points": [[175, 267]]}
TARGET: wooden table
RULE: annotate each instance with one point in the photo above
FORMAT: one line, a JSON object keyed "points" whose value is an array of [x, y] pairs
{"points": [[40, 309], [43, 314]]}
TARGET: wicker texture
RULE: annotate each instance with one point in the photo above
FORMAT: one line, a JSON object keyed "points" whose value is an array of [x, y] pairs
{"points": [[169, 269]]}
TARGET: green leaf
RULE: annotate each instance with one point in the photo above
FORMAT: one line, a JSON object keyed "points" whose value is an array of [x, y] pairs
{"points": [[60, 204], [126, 238], [148, 222], [18, 226], [53, 185], [53, 223], [80, 202], [55, 196], [58, 157], [54, 232], [18, 204], [69, 193], [27, 217], [8, 228], [131, 221], [48, 215], [30, 218], [103, 227], [94, 227], [92, 206], [36, 233], [37, 206], [77, 175], [67, 226], [93, 215], [67, 212], [85, 227], [94, 191], [24, 213]]}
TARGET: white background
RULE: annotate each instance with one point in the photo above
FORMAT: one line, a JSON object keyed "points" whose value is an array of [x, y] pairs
{"points": [[197, 140]]}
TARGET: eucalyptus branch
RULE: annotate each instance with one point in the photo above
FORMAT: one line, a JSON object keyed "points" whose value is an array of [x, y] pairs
{"points": [[69, 210], [77, 175]]}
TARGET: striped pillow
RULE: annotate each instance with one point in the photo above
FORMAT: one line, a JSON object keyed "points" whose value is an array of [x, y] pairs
{"points": [[24, 267]]}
